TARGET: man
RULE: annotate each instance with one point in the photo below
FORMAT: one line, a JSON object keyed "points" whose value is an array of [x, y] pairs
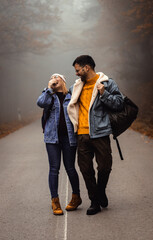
{"points": [[92, 95]]}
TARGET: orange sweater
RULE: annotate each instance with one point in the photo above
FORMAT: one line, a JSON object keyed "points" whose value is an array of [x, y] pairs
{"points": [[84, 102]]}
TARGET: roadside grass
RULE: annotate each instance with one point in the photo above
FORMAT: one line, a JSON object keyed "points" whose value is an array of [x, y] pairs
{"points": [[7, 128], [144, 126]]}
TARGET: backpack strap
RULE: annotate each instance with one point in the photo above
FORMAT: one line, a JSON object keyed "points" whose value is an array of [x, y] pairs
{"points": [[46, 114], [119, 149]]}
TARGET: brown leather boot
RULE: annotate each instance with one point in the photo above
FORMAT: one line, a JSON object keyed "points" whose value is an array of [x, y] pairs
{"points": [[56, 206], [74, 203]]}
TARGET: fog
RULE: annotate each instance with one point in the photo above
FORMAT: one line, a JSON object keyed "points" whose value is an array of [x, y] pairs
{"points": [[44, 37]]}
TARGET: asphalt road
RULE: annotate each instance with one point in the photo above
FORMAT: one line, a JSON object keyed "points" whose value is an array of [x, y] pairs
{"points": [[25, 206]]}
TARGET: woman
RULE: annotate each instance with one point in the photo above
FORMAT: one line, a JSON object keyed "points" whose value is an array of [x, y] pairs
{"points": [[59, 137]]}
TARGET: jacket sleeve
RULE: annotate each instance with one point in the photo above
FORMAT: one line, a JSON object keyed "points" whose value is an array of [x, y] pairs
{"points": [[71, 89], [45, 99], [112, 97]]}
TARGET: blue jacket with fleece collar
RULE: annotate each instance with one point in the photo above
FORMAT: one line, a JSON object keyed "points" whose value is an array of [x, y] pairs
{"points": [[99, 123]]}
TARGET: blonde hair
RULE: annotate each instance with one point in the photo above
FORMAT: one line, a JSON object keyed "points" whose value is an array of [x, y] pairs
{"points": [[63, 81], [64, 88]]}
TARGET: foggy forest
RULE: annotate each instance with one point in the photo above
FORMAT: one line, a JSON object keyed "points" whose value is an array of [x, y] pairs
{"points": [[39, 38]]}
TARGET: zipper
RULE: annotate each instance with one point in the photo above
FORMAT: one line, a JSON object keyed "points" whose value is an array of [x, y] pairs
{"points": [[65, 118], [58, 119], [89, 121]]}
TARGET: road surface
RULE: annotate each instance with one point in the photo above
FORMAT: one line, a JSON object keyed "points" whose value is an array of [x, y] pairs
{"points": [[25, 206]]}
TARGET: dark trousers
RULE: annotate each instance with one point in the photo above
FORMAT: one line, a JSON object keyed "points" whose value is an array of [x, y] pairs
{"points": [[101, 149], [54, 157]]}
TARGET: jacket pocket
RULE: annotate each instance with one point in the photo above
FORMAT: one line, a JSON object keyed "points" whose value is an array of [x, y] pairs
{"points": [[50, 128], [100, 122]]}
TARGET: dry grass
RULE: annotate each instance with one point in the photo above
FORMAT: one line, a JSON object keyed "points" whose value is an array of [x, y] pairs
{"points": [[143, 126], [7, 128]]}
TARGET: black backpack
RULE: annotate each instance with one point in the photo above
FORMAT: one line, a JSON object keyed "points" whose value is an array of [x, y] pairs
{"points": [[122, 120], [46, 114]]}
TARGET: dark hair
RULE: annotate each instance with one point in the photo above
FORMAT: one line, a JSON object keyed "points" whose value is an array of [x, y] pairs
{"points": [[84, 60]]}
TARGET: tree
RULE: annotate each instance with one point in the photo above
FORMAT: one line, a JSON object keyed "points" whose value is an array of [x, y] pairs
{"points": [[141, 12], [25, 26]]}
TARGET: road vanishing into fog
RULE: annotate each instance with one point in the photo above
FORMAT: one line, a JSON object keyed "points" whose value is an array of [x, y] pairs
{"points": [[25, 206]]}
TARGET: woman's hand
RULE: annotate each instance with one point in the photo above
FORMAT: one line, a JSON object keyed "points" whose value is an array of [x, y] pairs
{"points": [[52, 83]]}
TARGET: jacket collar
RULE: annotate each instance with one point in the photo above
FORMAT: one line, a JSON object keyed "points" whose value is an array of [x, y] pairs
{"points": [[102, 77], [78, 85], [67, 97]]}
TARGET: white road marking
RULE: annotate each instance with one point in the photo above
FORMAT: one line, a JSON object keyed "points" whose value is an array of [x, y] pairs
{"points": [[61, 221], [66, 199]]}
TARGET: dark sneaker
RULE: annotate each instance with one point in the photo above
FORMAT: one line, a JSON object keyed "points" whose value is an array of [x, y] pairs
{"points": [[93, 209], [104, 201]]}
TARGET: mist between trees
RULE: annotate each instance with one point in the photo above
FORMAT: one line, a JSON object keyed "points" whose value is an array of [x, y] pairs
{"points": [[38, 38]]}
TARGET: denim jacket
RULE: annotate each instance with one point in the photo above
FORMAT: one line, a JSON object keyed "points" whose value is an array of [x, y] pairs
{"points": [[112, 100], [51, 127]]}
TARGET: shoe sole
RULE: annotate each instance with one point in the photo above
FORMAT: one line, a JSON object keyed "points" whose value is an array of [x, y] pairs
{"points": [[73, 209], [57, 214], [104, 205], [93, 213]]}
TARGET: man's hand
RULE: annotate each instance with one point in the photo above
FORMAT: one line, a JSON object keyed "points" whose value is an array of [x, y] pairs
{"points": [[101, 88], [52, 83]]}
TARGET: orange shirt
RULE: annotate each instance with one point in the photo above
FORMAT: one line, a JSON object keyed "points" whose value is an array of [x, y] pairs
{"points": [[84, 102]]}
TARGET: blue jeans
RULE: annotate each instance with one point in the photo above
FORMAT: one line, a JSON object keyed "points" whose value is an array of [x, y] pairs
{"points": [[54, 157]]}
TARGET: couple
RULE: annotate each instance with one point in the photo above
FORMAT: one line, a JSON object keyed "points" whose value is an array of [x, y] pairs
{"points": [[80, 113]]}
